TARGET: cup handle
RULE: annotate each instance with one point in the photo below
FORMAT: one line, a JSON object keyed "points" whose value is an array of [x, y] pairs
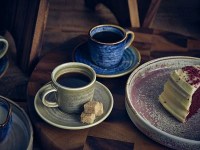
{"points": [[50, 88], [5, 48], [130, 37]]}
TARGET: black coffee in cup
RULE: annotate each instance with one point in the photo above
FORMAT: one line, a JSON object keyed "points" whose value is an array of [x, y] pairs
{"points": [[107, 37], [73, 80]]}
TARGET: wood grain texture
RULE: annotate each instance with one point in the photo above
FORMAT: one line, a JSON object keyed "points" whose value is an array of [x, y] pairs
{"points": [[40, 25], [133, 13], [179, 16], [151, 13], [117, 129], [25, 20]]}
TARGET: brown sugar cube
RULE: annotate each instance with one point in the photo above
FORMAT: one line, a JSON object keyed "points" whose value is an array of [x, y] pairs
{"points": [[94, 107], [100, 111], [87, 118]]}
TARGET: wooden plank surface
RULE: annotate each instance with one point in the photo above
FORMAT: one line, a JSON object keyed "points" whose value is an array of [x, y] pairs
{"points": [[117, 131]]}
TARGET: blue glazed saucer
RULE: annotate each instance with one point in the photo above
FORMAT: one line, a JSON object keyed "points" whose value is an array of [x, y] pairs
{"points": [[130, 60]]}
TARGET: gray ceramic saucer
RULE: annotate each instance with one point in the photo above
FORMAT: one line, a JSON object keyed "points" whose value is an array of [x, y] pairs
{"points": [[57, 118], [20, 133]]}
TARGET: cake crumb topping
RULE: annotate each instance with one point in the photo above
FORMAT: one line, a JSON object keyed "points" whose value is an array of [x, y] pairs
{"points": [[193, 75]]}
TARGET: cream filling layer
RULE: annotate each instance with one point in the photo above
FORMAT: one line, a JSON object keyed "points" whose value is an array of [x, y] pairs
{"points": [[180, 78], [176, 103]]}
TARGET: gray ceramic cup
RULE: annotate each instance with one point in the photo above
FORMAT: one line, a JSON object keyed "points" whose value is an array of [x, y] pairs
{"points": [[73, 84], [3, 46], [107, 44]]}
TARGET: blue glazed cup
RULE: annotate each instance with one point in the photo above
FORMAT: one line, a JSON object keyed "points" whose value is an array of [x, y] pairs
{"points": [[107, 44], [5, 117]]}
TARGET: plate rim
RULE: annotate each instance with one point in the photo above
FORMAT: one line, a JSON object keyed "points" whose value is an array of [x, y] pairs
{"points": [[187, 144], [133, 49], [78, 127], [30, 143], [127, 95]]}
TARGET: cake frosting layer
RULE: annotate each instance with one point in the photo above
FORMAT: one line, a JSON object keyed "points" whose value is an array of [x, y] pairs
{"points": [[188, 78], [178, 91]]}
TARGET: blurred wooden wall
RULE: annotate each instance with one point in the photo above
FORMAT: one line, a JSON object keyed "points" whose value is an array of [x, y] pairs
{"points": [[26, 21]]}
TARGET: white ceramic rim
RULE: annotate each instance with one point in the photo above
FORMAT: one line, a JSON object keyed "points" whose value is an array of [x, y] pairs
{"points": [[5, 48], [134, 73]]}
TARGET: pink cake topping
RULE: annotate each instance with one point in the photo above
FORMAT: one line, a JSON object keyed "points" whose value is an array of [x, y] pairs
{"points": [[193, 75]]}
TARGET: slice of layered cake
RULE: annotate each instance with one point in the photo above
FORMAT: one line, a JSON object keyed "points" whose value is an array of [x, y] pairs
{"points": [[181, 95]]}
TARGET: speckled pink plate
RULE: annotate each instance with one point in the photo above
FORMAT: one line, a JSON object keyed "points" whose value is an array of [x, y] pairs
{"points": [[143, 87]]}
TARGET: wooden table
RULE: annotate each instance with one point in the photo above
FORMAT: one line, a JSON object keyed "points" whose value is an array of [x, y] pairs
{"points": [[117, 131]]}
